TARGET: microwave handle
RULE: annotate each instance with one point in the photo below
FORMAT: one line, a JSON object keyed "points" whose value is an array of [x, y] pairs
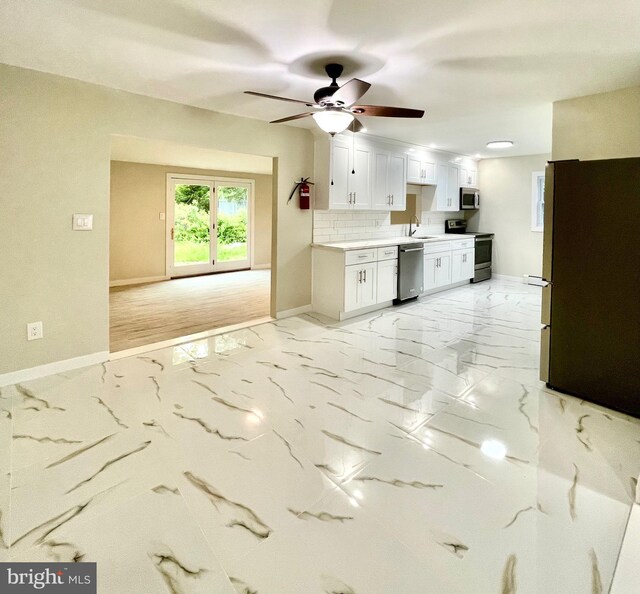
{"points": [[477, 199]]}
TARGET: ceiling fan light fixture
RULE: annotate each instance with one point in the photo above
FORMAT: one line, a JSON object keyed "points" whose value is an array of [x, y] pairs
{"points": [[333, 121], [498, 144]]}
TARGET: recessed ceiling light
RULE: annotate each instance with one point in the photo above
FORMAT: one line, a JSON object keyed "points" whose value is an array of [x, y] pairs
{"points": [[411, 150], [498, 144], [478, 155], [432, 145]]}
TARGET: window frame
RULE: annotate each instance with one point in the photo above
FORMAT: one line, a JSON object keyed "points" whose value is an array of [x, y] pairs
{"points": [[536, 195]]}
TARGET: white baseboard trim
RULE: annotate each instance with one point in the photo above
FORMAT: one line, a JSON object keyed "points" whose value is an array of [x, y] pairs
{"points": [[507, 277], [138, 281], [24, 375], [296, 311], [261, 267]]}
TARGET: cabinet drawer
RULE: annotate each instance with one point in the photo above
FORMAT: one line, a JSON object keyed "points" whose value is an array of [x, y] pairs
{"points": [[463, 244], [387, 253], [360, 256], [434, 248]]}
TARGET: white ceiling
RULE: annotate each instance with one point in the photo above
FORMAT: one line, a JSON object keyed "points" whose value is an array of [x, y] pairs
{"points": [[163, 152], [482, 70]]}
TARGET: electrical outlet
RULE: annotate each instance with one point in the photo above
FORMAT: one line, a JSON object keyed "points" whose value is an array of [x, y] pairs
{"points": [[34, 331]]}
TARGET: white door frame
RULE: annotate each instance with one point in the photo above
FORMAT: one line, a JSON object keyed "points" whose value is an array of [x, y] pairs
{"points": [[176, 178]]}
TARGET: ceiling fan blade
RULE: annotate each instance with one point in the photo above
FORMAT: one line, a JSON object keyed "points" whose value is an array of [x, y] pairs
{"points": [[293, 117], [278, 98], [387, 112], [350, 91]]}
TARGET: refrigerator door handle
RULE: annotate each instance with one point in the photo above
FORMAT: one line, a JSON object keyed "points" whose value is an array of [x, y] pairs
{"points": [[545, 342], [545, 312]]}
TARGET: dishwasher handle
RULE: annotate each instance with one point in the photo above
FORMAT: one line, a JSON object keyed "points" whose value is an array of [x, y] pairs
{"points": [[412, 250]]}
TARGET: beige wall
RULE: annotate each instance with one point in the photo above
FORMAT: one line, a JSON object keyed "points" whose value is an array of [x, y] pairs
{"points": [[54, 161], [604, 126], [136, 233], [505, 186]]}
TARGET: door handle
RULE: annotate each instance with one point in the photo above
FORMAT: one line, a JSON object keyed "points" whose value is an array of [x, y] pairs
{"points": [[171, 233]]}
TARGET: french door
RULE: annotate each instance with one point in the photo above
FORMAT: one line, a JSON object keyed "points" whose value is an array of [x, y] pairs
{"points": [[208, 224]]}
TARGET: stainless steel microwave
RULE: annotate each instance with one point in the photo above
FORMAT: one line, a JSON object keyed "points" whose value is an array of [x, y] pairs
{"points": [[469, 199]]}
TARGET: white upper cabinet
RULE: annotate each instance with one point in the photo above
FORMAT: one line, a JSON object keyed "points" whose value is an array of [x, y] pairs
{"points": [[360, 177], [389, 181], [367, 173], [468, 177], [421, 169], [448, 190], [343, 174]]}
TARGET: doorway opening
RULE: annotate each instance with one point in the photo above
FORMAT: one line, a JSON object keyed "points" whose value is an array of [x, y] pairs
{"points": [[190, 241]]}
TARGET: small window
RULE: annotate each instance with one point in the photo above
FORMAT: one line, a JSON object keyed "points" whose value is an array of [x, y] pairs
{"points": [[537, 201]]}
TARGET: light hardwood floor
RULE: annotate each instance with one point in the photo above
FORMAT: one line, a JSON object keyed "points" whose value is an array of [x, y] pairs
{"points": [[145, 314]]}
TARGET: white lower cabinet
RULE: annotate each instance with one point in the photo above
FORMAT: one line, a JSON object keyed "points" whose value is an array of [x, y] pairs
{"points": [[437, 270], [346, 283], [355, 281], [387, 280], [360, 287], [462, 264]]}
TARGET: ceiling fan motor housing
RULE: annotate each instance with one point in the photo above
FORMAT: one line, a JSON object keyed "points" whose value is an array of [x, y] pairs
{"points": [[323, 95]]}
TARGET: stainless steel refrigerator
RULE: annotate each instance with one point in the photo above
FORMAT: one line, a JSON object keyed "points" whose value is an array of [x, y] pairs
{"points": [[590, 343]]}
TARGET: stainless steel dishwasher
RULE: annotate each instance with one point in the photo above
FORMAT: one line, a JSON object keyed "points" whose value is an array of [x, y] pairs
{"points": [[410, 271]]}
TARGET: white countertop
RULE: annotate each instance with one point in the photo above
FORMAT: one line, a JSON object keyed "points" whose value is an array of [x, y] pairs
{"points": [[359, 244]]}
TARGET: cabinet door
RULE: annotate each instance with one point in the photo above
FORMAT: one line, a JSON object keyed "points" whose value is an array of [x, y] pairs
{"points": [[381, 199], [473, 178], [468, 264], [453, 188], [430, 172], [414, 170], [352, 284], [339, 192], [387, 281], [360, 181], [457, 265], [396, 182], [442, 190], [443, 270], [368, 286], [430, 262]]}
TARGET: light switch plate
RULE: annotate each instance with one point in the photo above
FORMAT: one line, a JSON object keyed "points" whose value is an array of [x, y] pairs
{"points": [[162, 216], [82, 222]]}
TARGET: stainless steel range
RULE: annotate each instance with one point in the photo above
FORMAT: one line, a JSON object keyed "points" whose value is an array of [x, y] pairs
{"points": [[484, 247]]}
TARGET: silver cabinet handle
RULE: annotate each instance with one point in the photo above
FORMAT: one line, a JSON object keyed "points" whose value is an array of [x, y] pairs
{"points": [[364, 276], [391, 198], [362, 256], [359, 276]]}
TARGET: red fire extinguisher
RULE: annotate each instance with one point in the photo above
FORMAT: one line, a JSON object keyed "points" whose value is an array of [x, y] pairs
{"points": [[304, 192]]}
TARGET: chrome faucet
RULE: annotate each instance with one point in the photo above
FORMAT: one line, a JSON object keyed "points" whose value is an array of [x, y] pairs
{"points": [[411, 233]]}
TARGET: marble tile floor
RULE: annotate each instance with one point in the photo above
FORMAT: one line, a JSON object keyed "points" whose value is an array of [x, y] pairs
{"points": [[412, 450]]}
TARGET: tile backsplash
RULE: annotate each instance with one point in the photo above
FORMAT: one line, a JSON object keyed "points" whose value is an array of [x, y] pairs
{"points": [[347, 225]]}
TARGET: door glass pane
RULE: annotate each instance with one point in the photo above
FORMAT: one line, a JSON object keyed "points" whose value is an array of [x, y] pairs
{"points": [[233, 204], [192, 224]]}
